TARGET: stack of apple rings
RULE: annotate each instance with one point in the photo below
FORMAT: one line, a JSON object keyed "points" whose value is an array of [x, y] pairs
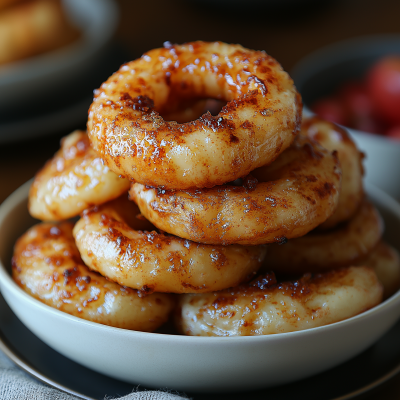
{"points": [[353, 234], [327, 274], [210, 201]]}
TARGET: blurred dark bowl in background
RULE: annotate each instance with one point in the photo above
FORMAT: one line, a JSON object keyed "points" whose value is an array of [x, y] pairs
{"points": [[321, 73]]}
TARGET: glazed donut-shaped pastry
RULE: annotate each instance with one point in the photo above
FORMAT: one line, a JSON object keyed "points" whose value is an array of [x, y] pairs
{"points": [[47, 265], [385, 261], [259, 121], [265, 307], [73, 180], [333, 137], [323, 250], [289, 198], [111, 243]]}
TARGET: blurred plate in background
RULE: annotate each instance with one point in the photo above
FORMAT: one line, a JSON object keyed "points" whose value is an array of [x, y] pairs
{"points": [[97, 21], [53, 90]]}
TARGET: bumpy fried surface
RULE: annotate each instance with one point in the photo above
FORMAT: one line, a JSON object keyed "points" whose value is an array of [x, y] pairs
{"points": [[333, 137], [110, 243], [265, 307], [323, 250], [290, 197], [385, 261], [259, 121], [47, 265], [73, 180]]}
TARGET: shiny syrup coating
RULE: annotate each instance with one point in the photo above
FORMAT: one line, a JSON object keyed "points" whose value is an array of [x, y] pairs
{"points": [[261, 117], [336, 138], [73, 180], [47, 265], [266, 306], [385, 260], [283, 200], [152, 261], [321, 250]]}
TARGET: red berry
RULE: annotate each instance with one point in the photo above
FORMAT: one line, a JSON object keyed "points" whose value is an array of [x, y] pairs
{"points": [[394, 132], [356, 99], [383, 81], [330, 109]]}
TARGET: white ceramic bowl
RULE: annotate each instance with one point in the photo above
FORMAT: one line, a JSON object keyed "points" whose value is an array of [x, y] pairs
{"points": [[29, 78], [194, 363], [319, 73]]}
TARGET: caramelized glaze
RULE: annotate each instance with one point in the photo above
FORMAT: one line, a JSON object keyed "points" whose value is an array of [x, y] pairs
{"points": [[260, 119], [385, 261], [261, 309], [336, 138], [47, 265], [321, 250], [154, 261], [286, 199], [73, 180]]}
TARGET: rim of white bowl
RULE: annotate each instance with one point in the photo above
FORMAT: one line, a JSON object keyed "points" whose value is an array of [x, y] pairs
{"points": [[97, 19], [20, 195]]}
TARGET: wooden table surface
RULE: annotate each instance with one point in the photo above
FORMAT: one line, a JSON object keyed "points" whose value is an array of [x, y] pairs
{"points": [[286, 32]]}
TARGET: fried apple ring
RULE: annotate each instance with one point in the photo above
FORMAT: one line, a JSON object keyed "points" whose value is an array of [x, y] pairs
{"points": [[292, 196], [73, 180], [259, 121], [385, 261], [109, 243], [266, 307], [333, 137], [47, 265], [323, 250]]}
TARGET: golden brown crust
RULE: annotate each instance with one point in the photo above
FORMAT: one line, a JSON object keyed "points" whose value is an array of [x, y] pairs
{"points": [[259, 121], [47, 265], [385, 260], [152, 261], [265, 306], [290, 197], [323, 250], [72, 181], [333, 137]]}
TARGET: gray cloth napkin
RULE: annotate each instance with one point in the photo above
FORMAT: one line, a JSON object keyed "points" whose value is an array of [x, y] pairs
{"points": [[16, 384]]}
